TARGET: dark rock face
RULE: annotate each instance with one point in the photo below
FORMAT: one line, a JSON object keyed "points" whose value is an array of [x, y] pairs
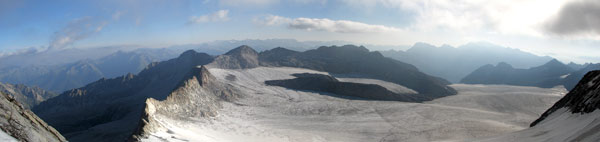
{"points": [[28, 96], [109, 109], [584, 98], [326, 83], [22, 124], [351, 59], [546, 76]]}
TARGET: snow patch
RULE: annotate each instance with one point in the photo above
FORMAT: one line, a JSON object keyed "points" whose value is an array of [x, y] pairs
{"points": [[564, 76], [4, 137]]}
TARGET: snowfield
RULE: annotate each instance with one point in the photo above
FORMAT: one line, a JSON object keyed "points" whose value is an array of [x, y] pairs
{"points": [[272, 113], [560, 126]]}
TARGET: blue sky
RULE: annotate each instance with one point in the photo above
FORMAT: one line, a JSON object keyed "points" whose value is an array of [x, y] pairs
{"points": [[530, 25]]}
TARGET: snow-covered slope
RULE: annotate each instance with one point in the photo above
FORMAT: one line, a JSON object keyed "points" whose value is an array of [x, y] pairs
{"points": [[575, 117], [270, 113]]}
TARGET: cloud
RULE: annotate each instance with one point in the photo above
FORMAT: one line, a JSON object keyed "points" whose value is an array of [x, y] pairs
{"points": [[507, 17], [117, 15], [578, 17], [272, 20], [317, 24], [219, 16], [23, 51], [76, 30], [247, 3]]}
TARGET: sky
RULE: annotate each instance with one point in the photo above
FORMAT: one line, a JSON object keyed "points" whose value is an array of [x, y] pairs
{"points": [[565, 29]]}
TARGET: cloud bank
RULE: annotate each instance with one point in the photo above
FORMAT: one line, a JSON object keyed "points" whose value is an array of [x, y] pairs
{"points": [[218, 16], [323, 24], [578, 17]]}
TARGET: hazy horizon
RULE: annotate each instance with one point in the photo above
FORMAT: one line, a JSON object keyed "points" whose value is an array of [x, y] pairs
{"points": [[546, 28]]}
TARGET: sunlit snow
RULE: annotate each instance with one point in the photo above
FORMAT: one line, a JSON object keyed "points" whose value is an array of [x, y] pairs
{"points": [[271, 113]]}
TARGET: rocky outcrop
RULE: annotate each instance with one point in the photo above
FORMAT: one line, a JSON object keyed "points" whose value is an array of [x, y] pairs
{"points": [[28, 96], [199, 96], [22, 124], [329, 84]]}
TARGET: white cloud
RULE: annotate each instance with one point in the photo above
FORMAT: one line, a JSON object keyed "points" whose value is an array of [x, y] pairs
{"points": [[76, 30], [520, 17], [316, 24], [271, 20], [245, 3], [219, 16], [117, 15]]}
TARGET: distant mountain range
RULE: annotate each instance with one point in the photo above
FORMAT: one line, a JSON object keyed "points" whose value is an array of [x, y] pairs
{"points": [[58, 78], [454, 64], [28, 96], [111, 109], [547, 75], [61, 70]]}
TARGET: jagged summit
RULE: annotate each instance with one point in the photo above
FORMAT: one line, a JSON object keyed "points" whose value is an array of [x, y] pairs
{"points": [[199, 95]]}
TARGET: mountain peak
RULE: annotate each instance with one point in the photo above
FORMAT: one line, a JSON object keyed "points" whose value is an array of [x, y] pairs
{"points": [[238, 58], [188, 52], [348, 47], [504, 65], [554, 62], [244, 49]]}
